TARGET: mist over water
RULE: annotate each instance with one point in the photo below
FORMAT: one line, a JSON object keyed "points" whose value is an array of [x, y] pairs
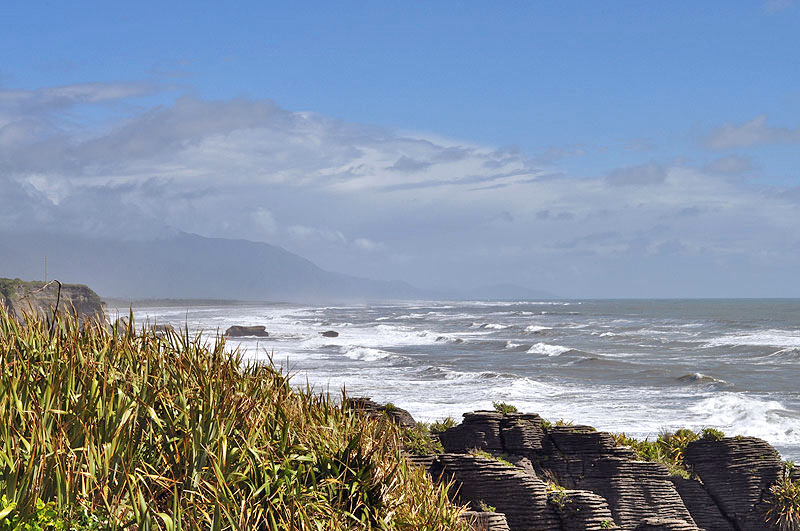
{"points": [[632, 366]]}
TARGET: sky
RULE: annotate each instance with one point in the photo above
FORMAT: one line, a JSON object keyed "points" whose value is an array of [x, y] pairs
{"points": [[614, 149]]}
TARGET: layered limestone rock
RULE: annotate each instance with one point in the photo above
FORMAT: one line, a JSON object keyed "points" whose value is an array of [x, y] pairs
{"points": [[579, 458], [737, 473], [701, 506], [567, 478], [479, 431], [21, 297], [581, 510], [373, 409], [635, 491], [658, 523], [486, 521], [481, 480]]}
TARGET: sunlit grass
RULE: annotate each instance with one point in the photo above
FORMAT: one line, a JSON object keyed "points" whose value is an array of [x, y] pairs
{"points": [[132, 429]]}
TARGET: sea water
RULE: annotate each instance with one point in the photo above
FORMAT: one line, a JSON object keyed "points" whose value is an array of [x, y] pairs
{"points": [[633, 366]]}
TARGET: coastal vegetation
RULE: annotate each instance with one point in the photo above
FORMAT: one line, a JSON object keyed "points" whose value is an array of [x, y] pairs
{"points": [[668, 449], [502, 407], [112, 428]]}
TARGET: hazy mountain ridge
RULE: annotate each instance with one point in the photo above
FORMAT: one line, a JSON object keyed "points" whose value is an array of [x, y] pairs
{"points": [[188, 266]]}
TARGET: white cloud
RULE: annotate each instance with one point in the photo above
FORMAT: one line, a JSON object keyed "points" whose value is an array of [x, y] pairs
{"points": [[365, 244], [730, 165], [776, 6], [644, 175], [265, 221], [752, 133], [302, 232], [30, 104], [381, 203]]}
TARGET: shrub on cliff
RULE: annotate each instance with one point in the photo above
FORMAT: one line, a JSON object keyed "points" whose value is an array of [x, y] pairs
{"points": [[668, 449], [784, 505], [148, 431], [502, 407]]}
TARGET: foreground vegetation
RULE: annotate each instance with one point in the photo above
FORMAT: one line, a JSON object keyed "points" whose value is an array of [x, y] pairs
{"points": [[111, 429]]}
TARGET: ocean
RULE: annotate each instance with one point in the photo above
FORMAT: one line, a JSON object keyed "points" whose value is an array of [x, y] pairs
{"points": [[633, 366]]}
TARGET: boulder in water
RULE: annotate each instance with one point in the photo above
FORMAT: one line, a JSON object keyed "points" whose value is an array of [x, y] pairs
{"points": [[330, 333], [244, 331]]}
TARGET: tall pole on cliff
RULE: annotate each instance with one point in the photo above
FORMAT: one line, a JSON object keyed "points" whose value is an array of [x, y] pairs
{"points": [[45, 268]]}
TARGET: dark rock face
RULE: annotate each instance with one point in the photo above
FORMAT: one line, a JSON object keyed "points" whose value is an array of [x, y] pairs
{"points": [[479, 430], [329, 333], [520, 496], [369, 407], [581, 510], [635, 491], [486, 521], [737, 473], [37, 297], [580, 458], [665, 524], [244, 331], [570, 452], [606, 487], [701, 506]]}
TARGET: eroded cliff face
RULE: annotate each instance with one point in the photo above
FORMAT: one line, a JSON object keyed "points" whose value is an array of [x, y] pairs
{"points": [[22, 297]]}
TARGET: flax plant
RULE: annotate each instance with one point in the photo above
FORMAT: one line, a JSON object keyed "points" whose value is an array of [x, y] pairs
{"points": [[135, 429]]}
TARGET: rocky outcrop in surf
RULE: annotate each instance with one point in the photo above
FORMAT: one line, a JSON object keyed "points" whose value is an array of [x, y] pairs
{"points": [[570, 477], [247, 331]]}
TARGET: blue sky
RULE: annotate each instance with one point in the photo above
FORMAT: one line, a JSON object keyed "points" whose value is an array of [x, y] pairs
{"points": [[357, 134]]}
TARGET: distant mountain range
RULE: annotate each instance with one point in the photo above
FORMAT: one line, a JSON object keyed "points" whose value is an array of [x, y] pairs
{"points": [[188, 266]]}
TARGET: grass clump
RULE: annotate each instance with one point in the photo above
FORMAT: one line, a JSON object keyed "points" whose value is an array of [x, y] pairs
{"points": [[418, 440], [502, 407], [712, 434], [668, 449], [114, 429], [783, 504], [485, 507], [499, 458], [440, 426]]}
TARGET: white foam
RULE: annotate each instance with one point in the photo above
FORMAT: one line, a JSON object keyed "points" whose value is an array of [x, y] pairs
{"points": [[533, 329], [738, 414], [770, 338], [511, 345], [548, 350], [608, 334], [700, 378], [366, 353], [495, 326]]}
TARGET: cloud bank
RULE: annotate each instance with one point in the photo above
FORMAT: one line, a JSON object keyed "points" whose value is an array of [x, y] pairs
{"points": [[386, 204]]}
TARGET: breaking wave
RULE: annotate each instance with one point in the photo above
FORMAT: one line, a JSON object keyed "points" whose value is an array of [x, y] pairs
{"points": [[548, 350]]}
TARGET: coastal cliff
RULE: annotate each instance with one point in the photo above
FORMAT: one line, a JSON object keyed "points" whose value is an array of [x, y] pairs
{"points": [[39, 297]]}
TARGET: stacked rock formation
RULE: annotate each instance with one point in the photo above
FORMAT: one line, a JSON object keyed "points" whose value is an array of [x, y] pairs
{"points": [[481, 480], [737, 473], [580, 510], [579, 458], [372, 409], [486, 521], [576, 478], [701, 506]]}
